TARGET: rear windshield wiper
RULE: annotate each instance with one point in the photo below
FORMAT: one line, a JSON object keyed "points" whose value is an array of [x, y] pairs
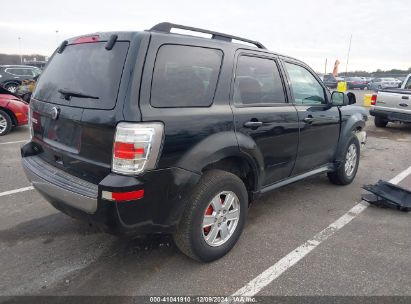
{"points": [[68, 94]]}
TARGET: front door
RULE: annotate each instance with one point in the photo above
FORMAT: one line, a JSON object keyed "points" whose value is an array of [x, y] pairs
{"points": [[319, 123], [263, 115]]}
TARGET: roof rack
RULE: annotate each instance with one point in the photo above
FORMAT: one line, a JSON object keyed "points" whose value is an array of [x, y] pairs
{"points": [[165, 27]]}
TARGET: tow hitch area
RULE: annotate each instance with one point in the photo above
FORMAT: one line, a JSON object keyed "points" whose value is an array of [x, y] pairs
{"points": [[384, 194]]}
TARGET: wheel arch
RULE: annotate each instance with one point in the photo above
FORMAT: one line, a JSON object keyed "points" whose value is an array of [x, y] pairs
{"points": [[354, 123], [14, 81], [221, 151]]}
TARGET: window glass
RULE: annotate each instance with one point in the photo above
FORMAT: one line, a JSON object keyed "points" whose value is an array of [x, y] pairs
{"points": [[26, 72], [258, 81], [36, 71], [16, 72], [306, 89], [408, 84], [87, 68], [185, 76]]}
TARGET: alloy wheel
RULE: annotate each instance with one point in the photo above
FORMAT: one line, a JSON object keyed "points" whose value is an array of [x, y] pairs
{"points": [[351, 160], [221, 218], [3, 124]]}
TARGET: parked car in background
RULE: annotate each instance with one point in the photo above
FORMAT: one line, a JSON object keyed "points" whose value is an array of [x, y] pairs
{"points": [[392, 105], [11, 76], [26, 88], [13, 111], [355, 83], [330, 81], [383, 83]]}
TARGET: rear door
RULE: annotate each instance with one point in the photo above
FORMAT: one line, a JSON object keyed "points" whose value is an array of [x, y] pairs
{"points": [[73, 107], [262, 113], [319, 123]]}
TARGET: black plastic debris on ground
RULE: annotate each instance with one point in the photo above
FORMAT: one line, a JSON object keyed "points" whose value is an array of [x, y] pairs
{"points": [[385, 194]]}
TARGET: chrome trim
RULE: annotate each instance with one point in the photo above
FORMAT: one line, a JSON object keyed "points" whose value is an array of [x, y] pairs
{"points": [[42, 181]]}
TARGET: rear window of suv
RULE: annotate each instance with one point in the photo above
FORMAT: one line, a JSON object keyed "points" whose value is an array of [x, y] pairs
{"points": [[185, 76], [86, 68]]}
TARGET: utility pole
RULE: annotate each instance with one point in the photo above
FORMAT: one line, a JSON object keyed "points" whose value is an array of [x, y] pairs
{"points": [[21, 55], [348, 56], [325, 68]]}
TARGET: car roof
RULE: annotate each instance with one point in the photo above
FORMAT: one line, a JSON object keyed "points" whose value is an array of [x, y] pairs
{"points": [[217, 39]]}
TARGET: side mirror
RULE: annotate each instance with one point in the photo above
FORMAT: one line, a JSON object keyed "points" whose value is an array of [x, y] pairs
{"points": [[342, 99], [351, 98]]}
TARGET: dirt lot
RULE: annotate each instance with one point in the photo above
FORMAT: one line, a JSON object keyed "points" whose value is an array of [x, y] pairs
{"points": [[44, 252]]}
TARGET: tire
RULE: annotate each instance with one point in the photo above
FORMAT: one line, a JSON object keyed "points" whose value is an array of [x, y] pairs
{"points": [[379, 122], [5, 123], [12, 87], [191, 235], [342, 176]]}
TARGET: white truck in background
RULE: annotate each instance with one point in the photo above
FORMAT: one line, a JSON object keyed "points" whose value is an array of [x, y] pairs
{"points": [[392, 105]]}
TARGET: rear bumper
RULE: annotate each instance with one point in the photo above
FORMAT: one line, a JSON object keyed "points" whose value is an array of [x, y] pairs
{"points": [[391, 115], [159, 211], [60, 186]]}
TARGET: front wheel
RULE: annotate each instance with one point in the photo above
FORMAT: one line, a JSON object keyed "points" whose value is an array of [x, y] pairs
{"points": [[214, 217], [5, 123], [347, 170]]}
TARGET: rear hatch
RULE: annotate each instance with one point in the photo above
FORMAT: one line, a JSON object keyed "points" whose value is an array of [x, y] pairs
{"points": [[74, 106]]}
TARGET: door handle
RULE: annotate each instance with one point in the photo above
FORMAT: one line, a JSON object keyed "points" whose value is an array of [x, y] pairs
{"points": [[405, 97], [253, 124], [308, 120]]}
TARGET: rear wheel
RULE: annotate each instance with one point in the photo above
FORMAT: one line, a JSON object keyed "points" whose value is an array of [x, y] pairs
{"points": [[5, 123], [379, 122], [347, 170], [214, 217]]}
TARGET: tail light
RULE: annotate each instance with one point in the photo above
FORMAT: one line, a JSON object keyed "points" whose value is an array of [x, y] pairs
{"points": [[373, 99], [136, 147]]}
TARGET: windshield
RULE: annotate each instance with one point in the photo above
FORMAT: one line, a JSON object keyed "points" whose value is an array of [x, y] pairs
{"points": [[87, 69]]}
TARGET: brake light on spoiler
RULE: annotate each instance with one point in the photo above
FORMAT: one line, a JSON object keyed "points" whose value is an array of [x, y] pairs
{"points": [[87, 39]]}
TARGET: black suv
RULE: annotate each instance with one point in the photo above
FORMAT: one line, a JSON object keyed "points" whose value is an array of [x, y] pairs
{"points": [[11, 76], [155, 132]]}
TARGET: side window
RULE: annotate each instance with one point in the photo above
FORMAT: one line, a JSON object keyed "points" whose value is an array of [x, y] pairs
{"points": [[12, 72], [306, 89], [36, 71], [26, 72], [408, 84], [185, 76], [257, 81]]}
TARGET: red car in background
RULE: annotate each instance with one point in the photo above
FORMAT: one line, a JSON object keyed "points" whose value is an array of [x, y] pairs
{"points": [[13, 111]]}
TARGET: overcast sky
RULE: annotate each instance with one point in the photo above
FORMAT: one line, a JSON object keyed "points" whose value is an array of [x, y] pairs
{"points": [[308, 30]]}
